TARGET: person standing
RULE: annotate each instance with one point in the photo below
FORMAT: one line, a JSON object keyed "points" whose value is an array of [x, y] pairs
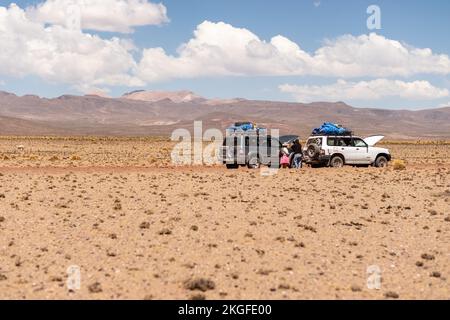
{"points": [[297, 152]]}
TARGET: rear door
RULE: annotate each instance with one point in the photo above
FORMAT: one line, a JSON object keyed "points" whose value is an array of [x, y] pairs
{"points": [[229, 149], [269, 150]]}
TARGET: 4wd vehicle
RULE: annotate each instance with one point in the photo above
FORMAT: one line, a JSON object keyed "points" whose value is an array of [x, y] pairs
{"points": [[251, 150], [337, 151]]}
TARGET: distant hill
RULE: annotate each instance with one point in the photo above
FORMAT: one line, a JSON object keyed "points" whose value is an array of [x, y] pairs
{"points": [[159, 113]]}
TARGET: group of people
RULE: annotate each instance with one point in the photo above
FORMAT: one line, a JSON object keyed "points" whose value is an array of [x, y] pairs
{"points": [[292, 155]]}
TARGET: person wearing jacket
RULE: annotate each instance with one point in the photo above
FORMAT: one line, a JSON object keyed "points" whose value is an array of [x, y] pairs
{"points": [[296, 150]]}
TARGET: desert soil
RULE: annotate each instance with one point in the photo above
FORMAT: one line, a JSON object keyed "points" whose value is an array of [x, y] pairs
{"points": [[139, 228]]}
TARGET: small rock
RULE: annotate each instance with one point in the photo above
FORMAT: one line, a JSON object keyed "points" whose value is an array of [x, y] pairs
{"points": [[356, 288], [200, 284], [165, 232], [95, 288], [392, 295], [435, 274], [144, 225], [427, 256]]}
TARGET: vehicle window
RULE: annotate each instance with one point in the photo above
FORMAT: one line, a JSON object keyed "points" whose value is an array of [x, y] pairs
{"points": [[331, 142], [359, 143], [345, 142], [317, 141], [254, 141], [230, 142]]}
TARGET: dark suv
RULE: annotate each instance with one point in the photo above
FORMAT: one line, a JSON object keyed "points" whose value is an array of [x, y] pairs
{"points": [[250, 150]]}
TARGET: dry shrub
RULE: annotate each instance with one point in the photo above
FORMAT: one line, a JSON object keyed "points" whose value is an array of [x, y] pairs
{"points": [[399, 164], [76, 158], [54, 158]]}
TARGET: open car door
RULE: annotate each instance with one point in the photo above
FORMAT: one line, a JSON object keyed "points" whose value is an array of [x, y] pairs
{"points": [[371, 141]]}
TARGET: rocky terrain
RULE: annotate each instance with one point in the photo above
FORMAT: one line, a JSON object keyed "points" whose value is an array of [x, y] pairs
{"points": [[137, 227]]}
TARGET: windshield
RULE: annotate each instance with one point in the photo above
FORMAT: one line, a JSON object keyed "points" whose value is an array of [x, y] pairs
{"points": [[359, 143]]}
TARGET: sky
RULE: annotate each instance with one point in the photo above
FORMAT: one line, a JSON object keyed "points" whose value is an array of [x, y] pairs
{"points": [[299, 50]]}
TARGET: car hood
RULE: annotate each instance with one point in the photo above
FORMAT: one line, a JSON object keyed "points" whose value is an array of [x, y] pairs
{"points": [[371, 141]]}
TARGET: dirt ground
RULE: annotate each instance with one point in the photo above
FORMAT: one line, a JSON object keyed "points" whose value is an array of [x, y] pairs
{"points": [[137, 228]]}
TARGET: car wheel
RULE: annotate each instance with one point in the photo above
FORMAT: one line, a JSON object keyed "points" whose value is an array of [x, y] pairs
{"points": [[381, 162], [232, 166], [337, 162], [313, 151], [254, 163]]}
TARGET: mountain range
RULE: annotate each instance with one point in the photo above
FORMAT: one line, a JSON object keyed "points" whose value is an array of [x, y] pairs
{"points": [[141, 113]]}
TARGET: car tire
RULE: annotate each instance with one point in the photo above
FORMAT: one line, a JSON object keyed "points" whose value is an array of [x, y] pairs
{"points": [[337, 162], [313, 151], [381, 162], [232, 166], [254, 163]]}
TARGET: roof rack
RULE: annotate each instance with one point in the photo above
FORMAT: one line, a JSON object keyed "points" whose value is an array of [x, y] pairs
{"points": [[347, 134], [251, 132]]}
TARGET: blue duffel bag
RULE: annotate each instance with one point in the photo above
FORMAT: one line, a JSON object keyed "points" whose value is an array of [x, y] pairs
{"points": [[329, 128]]}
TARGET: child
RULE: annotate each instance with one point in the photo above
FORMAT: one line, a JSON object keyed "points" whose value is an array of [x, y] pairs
{"points": [[284, 161]]}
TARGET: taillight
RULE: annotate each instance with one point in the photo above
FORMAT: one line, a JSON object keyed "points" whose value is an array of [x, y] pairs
{"points": [[322, 152]]}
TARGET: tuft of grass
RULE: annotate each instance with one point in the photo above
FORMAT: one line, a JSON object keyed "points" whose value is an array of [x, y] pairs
{"points": [[54, 158], [399, 164], [76, 158]]}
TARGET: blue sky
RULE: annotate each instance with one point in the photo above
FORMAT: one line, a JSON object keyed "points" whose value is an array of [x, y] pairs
{"points": [[308, 23]]}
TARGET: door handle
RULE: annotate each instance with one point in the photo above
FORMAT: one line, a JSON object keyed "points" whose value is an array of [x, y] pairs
{"points": [[357, 148]]}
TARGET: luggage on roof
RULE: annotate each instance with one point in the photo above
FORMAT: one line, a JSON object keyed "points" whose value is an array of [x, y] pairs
{"points": [[247, 128], [329, 128], [243, 126]]}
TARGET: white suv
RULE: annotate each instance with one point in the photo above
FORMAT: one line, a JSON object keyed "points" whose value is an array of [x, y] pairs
{"points": [[337, 151]]}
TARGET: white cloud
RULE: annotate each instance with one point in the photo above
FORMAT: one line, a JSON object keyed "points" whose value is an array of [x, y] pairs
{"points": [[366, 90], [219, 49], [101, 15], [61, 55]]}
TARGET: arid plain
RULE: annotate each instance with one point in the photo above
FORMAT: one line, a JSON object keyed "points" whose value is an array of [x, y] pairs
{"points": [[138, 227]]}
